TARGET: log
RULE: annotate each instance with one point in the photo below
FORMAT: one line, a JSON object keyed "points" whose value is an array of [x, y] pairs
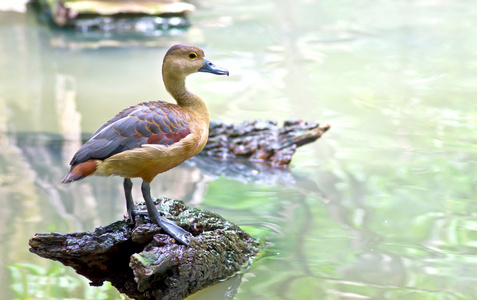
{"points": [[145, 263], [261, 140], [116, 15]]}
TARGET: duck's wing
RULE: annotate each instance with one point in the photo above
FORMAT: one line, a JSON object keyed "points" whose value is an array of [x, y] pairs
{"points": [[153, 122]]}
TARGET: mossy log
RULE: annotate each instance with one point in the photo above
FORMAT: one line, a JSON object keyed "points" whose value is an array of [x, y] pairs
{"points": [[261, 140], [145, 263]]}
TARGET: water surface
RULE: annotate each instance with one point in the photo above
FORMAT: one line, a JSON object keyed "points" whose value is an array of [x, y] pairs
{"points": [[382, 207]]}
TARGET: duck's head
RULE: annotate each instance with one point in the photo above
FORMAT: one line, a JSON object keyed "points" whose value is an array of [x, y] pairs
{"points": [[183, 60]]}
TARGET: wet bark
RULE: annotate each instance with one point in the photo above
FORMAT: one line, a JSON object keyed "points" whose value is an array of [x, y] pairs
{"points": [[261, 140], [144, 263]]}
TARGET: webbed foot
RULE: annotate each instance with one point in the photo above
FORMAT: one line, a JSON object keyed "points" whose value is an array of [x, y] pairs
{"points": [[173, 230]]}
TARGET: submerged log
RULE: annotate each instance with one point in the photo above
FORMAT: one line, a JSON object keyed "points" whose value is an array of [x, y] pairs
{"points": [[261, 140], [145, 263]]}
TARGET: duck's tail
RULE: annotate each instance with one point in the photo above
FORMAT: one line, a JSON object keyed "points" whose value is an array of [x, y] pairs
{"points": [[80, 171]]}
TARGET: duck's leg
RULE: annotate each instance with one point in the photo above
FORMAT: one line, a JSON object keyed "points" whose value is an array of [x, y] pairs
{"points": [[129, 200], [170, 227]]}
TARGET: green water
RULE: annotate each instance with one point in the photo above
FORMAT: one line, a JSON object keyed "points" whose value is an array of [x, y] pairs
{"points": [[384, 206]]}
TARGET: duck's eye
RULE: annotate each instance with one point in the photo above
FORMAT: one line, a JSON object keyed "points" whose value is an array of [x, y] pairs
{"points": [[192, 55]]}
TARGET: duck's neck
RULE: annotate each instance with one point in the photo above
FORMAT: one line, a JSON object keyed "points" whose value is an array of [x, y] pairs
{"points": [[176, 87]]}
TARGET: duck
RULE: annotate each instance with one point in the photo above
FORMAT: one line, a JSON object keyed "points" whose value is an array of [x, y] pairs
{"points": [[151, 137]]}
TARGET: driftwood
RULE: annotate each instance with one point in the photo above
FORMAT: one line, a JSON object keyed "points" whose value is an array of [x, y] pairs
{"points": [[261, 140], [144, 263], [117, 15]]}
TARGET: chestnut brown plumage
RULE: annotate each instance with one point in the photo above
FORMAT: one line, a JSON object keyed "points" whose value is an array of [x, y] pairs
{"points": [[151, 137]]}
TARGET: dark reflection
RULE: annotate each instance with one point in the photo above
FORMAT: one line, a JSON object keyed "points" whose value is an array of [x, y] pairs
{"points": [[241, 170], [43, 157]]}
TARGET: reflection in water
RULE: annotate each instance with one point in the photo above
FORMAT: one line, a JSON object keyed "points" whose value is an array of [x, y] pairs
{"points": [[382, 207]]}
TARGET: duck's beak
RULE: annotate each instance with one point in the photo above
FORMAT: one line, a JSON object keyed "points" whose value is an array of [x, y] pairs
{"points": [[211, 68]]}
